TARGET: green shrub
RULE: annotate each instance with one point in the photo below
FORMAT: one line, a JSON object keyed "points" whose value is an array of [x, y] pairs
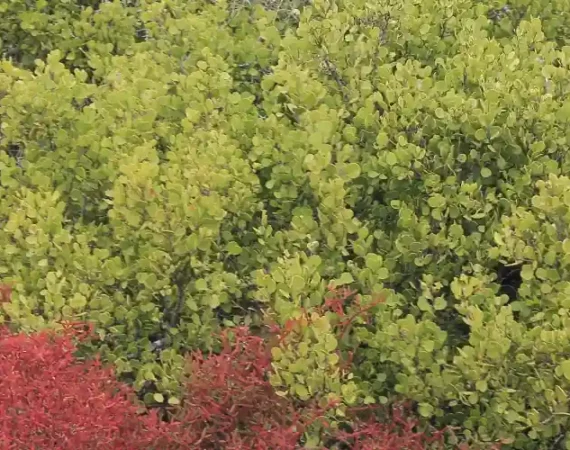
{"points": [[169, 168]]}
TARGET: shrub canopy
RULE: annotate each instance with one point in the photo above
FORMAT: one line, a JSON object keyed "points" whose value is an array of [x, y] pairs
{"points": [[169, 168]]}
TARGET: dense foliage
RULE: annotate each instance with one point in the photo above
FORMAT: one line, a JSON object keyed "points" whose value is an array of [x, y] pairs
{"points": [[173, 168], [52, 400]]}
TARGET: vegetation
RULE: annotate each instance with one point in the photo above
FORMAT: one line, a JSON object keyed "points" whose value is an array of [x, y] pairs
{"points": [[378, 192], [52, 400]]}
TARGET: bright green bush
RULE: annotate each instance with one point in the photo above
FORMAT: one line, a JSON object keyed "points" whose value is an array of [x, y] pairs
{"points": [[170, 167]]}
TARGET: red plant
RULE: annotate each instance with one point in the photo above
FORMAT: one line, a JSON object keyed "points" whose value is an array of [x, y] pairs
{"points": [[230, 404], [48, 400], [399, 433]]}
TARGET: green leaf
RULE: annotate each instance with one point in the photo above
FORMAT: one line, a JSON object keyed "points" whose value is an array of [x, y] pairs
{"points": [[333, 359], [173, 401], [423, 304], [214, 301], [352, 170], [373, 261], [481, 134], [485, 172], [425, 409], [321, 325], [297, 284], [345, 278], [301, 391], [233, 248], [201, 284], [382, 140], [383, 273], [439, 304], [159, 398], [565, 368], [481, 385], [512, 416], [276, 353], [78, 301], [428, 345], [527, 272], [391, 159], [330, 343], [350, 134], [424, 29], [437, 201]]}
